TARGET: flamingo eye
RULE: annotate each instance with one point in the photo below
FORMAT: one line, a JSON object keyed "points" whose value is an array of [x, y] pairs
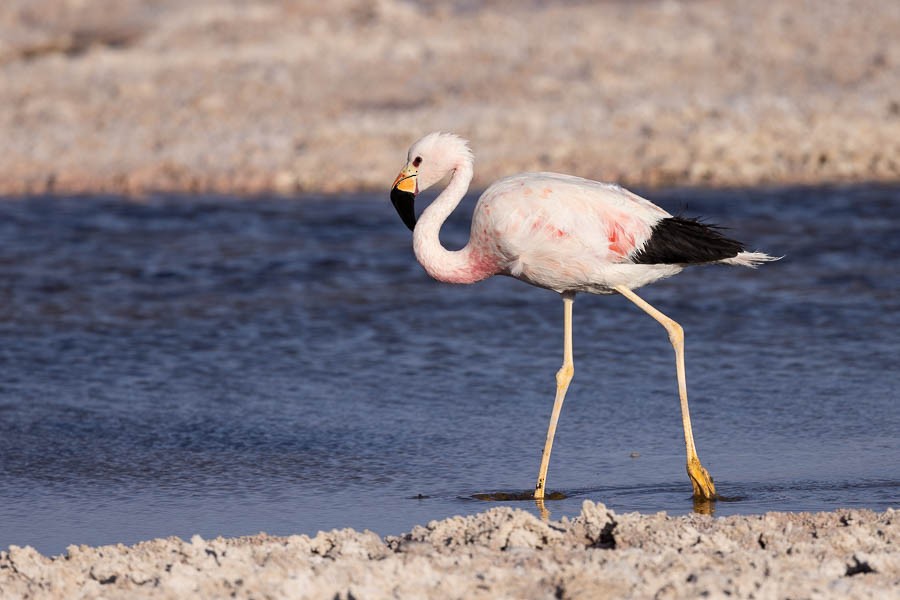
{"points": [[417, 161]]}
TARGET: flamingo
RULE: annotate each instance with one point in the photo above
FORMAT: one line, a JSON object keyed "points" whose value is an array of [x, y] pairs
{"points": [[566, 234]]}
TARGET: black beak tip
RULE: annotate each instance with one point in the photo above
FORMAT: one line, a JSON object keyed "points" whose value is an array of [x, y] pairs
{"points": [[404, 202]]}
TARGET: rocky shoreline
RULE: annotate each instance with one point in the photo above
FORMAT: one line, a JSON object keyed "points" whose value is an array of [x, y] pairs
{"points": [[500, 553], [130, 96]]}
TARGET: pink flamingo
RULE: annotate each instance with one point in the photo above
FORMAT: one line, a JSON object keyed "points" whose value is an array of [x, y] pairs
{"points": [[565, 234]]}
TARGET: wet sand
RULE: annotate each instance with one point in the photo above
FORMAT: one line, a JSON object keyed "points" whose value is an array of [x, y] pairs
{"points": [[500, 553], [126, 96]]}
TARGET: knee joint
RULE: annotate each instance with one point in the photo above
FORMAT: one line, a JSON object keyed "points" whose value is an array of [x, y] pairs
{"points": [[564, 375], [676, 333]]}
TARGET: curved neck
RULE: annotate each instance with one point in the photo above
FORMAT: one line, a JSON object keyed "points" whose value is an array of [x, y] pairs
{"points": [[460, 266]]}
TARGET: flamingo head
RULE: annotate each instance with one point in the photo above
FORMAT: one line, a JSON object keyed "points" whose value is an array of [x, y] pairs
{"points": [[427, 162]]}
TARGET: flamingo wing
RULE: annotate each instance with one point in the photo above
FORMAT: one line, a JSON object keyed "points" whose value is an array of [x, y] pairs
{"points": [[564, 232], [550, 213], [677, 240]]}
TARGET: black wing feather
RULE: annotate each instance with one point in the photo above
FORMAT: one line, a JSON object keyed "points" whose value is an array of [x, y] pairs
{"points": [[677, 240]]}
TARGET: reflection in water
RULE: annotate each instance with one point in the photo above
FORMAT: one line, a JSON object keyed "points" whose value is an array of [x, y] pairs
{"points": [[704, 506], [542, 509], [516, 496], [204, 365]]}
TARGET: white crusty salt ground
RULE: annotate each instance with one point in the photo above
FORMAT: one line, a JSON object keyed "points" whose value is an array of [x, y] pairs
{"points": [[256, 95], [501, 553]]}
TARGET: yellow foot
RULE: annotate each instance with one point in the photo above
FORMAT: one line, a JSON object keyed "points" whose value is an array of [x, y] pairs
{"points": [[700, 479]]}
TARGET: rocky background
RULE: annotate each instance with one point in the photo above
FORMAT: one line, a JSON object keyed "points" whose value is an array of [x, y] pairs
{"points": [[254, 96]]}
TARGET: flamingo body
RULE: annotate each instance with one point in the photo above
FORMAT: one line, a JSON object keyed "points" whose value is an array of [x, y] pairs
{"points": [[566, 234]]}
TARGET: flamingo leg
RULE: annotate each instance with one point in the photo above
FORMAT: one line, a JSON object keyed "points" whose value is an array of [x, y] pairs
{"points": [[700, 478], [563, 378]]}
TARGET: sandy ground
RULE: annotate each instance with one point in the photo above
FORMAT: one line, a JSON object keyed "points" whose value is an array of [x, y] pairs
{"points": [[248, 96], [501, 553]]}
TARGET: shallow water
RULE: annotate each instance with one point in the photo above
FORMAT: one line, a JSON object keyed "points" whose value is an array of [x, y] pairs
{"points": [[222, 367]]}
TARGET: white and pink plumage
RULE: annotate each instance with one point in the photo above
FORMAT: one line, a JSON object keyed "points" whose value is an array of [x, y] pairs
{"points": [[565, 234]]}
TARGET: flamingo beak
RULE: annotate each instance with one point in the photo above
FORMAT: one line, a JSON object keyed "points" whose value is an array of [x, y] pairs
{"points": [[403, 195]]}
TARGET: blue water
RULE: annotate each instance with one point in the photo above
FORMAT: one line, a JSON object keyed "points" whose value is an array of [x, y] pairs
{"points": [[218, 366]]}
